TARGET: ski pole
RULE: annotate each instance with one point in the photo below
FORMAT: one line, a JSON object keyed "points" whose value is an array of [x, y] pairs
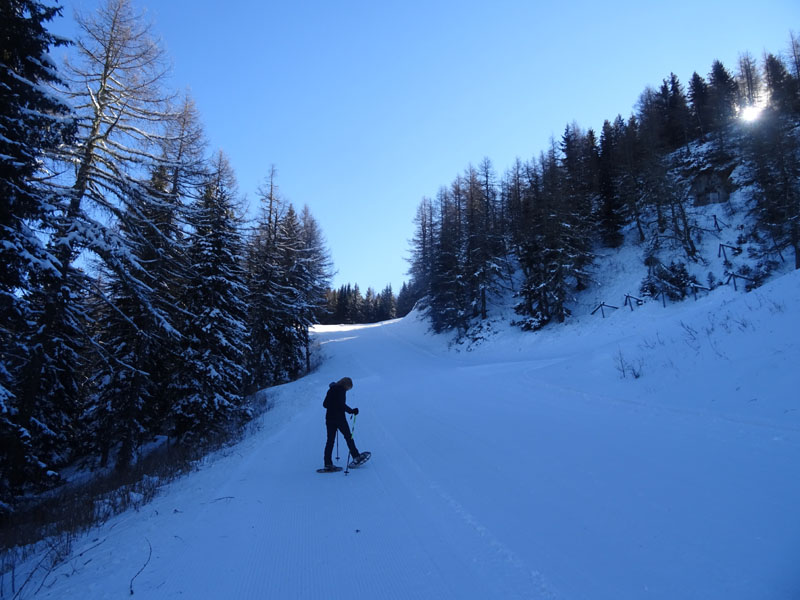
{"points": [[337, 444], [352, 437]]}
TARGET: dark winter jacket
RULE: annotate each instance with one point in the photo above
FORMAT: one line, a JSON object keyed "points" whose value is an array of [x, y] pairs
{"points": [[336, 403]]}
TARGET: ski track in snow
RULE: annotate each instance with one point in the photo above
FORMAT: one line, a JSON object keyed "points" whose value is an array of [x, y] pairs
{"points": [[535, 474]]}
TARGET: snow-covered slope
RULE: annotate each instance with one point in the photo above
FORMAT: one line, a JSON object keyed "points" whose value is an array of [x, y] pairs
{"points": [[528, 467]]}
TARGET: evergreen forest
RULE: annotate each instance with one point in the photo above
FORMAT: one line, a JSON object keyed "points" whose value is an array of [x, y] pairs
{"points": [[137, 300], [534, 232]]}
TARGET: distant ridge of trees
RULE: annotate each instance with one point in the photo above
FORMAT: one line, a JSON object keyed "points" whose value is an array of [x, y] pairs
{"points": [[542, 220], [348, 305]]}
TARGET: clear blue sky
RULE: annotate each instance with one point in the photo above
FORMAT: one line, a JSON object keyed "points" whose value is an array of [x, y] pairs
{"points": [[364, 107]]}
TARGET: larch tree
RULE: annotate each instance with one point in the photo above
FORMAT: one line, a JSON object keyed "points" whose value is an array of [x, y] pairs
{"points": [[422, 252], [263, 275], [749, 80], [114, 88]]}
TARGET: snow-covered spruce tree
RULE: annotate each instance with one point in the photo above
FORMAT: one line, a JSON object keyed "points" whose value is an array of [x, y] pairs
{"points": [[262, 272], [319, 263], [141, 315], [184, 174], [296, 285], [135, 317], [289, 272], [34, 122], [209, 390]]}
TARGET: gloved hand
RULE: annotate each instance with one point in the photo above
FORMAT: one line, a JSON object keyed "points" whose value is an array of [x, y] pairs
{"points": [[355, 411]]}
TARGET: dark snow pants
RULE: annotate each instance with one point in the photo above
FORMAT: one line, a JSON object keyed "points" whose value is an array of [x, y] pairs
{"points": [[333, 426]]}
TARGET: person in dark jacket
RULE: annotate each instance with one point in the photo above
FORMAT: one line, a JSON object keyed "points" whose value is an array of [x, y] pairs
{"points": [[335, 419]]}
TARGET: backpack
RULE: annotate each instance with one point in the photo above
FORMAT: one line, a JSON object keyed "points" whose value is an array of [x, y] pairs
{"points": [[325, 402]]}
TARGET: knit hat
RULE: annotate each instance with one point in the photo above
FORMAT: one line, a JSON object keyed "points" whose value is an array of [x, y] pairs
{"points": [[346, 383]]}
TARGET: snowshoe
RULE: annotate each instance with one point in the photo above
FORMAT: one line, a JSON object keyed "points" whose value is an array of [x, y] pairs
{"points": [[359, 460], [330, 469]]}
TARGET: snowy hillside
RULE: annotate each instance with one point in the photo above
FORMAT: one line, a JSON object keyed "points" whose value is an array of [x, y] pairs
{"points": [[528, 467]]}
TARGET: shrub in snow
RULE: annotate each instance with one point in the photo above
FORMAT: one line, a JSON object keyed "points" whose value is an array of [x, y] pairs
{"points": [[673, 281]]}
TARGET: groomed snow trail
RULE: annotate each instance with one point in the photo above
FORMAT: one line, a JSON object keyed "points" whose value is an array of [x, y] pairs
{"points": [[488, 480]]}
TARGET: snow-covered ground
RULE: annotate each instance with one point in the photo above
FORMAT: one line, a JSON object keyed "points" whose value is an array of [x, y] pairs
{"points": [[525, 467]]}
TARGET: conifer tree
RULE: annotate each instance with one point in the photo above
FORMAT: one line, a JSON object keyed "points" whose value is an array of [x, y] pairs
{"points": [[210, 394], [723, 94], [533, 294], [775, 152], [579, 168], [370, 310], [296, 286], [34, 123], [677, 115], [319, 263], [555, 252], [700, 105], [116, 93], [794, 55], [782, 88], [405, 300], [179, 181], [262, 283], [386, 305], [140, 315], [632, 153], [137, 325], [512, 199], [475, 264], [611, 217], [651, 117], [289, 271], [422, 251], [449, 302]]}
